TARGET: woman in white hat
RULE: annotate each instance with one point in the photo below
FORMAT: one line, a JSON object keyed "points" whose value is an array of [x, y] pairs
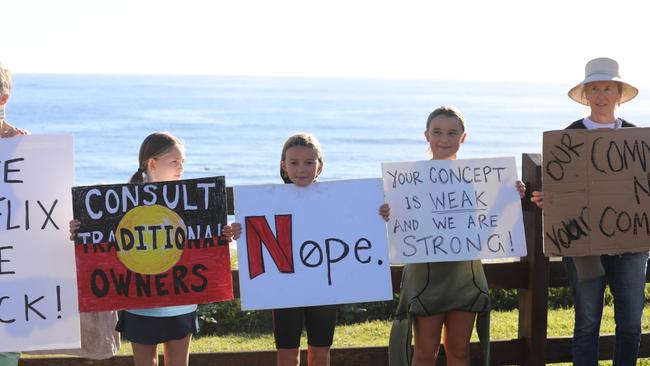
{"points": [[603, 91]]}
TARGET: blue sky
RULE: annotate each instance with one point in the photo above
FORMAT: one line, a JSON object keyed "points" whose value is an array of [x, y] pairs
{"points": [[460, 39]]}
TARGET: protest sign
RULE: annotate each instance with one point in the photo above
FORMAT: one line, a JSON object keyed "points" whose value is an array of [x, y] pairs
{"points": [[151, 244], [453, 210], [315, 245], [38, 291], [596, 191]]}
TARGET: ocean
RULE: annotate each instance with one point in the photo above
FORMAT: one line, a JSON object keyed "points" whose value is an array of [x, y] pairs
{"points": [[236, 126]]}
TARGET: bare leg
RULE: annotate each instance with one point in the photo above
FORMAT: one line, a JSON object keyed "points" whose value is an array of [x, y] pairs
{"points": [[458, 331], [318, 356], [145, 354], [288, 356], [427, 339], [177, 351]]}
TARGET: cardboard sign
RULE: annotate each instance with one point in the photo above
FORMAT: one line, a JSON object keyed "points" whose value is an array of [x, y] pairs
{"points": [[453, 210], [38, 291], [152, 244], [315, 245], [596, 191]]}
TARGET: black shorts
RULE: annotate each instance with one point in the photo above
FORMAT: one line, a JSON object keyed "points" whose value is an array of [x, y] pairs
{"points": [[319, 321], [154, 330]]}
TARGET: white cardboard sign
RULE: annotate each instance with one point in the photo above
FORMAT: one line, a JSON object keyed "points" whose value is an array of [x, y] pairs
{"points": [[453, 210], [315, 245], [38, 286]]}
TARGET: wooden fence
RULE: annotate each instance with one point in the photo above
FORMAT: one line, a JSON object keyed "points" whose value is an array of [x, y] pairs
{"points": [[532, 277]]}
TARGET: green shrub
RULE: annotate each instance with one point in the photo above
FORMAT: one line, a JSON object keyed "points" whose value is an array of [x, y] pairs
{"points": [[503, 300], [227, 317], [366, 311], [560, 298]]}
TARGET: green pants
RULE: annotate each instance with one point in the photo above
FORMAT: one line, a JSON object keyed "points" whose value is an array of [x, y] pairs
{"points": [[9, 358]]}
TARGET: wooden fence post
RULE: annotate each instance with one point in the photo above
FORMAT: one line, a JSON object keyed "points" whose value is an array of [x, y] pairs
{"points": [[533, 300]]}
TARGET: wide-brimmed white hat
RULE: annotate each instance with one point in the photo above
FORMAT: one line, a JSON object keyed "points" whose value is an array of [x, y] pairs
{"points": [[602, 69]]}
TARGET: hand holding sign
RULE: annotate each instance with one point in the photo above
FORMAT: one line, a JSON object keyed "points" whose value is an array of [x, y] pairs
{"points": [[316, 245], [596, 191], [153, 244], [38, 297], [451, 210]]}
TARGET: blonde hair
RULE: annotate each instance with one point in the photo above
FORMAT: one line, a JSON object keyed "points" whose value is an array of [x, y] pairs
{"points": [[5, 80], [300, 139], [153, 146], [447, 111]]}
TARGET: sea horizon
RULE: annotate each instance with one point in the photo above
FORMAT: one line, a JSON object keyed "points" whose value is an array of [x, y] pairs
{"points": [[235, 125]]}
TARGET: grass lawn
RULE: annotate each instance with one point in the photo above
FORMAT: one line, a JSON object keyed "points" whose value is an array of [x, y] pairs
{"points": [[503, 326]]}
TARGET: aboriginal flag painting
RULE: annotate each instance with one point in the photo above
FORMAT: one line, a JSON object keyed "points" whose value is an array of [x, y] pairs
{"points": [[152, 244]]}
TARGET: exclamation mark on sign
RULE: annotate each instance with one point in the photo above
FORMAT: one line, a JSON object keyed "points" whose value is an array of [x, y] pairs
{"points": [[58, 301], [512, 245], [26, 214]]}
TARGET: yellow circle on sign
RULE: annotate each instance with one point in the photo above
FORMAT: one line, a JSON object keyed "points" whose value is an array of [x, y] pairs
{"points": [[135, 237]]}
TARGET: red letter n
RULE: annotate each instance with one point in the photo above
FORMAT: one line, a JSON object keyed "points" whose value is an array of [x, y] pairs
{"points": [[280, 247]]}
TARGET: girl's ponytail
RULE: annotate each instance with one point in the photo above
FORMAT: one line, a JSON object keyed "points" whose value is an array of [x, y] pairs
{"points": [[138, 177], [153, 146]]}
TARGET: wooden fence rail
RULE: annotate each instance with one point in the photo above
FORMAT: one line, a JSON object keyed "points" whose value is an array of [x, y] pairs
{"points": [[532, 277]]}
